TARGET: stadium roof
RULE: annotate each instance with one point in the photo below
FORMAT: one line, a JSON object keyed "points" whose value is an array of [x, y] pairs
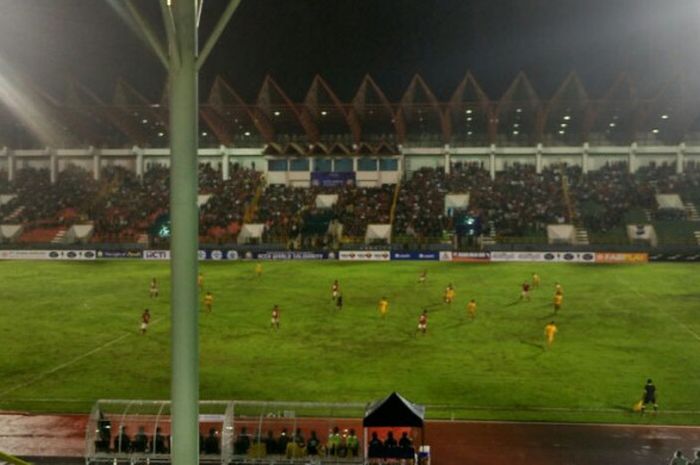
{"points": [[520, 116]]}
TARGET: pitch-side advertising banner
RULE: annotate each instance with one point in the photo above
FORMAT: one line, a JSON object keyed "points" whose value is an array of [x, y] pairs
{"points": [[47, 254], [365, 255], [610, 257]]}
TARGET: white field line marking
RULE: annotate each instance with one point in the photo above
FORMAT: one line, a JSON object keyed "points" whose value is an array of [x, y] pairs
{"points": [[666, 312], [70, 362]]}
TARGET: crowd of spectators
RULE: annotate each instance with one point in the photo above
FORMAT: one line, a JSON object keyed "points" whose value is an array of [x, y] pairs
{"points": [[519, 202], [294, 445]]}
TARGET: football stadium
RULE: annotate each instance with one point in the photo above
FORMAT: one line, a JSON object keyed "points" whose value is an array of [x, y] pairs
{"points": [[346, 270]]}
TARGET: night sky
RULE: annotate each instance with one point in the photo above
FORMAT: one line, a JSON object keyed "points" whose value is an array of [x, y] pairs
{"points": [[49, 40]]}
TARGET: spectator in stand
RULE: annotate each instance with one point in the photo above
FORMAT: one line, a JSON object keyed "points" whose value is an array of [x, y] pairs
{"points": [[312, 444], [282, 442], [211, 443], [375, 447], [122, 442], [242, 443], [140, 441], [352, 443], [390, 446], [159, 443], [406, 446]]}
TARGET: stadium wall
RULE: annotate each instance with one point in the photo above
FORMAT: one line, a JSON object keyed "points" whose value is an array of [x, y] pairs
{"points": [[539, 254], [492, 157]]}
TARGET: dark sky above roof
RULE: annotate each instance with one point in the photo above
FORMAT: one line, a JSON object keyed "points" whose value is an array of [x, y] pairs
{"points": [[342, 40]]}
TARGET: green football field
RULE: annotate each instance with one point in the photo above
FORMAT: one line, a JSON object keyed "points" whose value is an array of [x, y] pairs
{"points": [[70, 335]]}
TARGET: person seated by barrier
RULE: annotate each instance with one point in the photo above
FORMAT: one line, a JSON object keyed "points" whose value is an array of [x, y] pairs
{"points": [[313, 444], [122, 442], [376, 447], [352, 443], [242, 444], [299, 438], [406, 450], [104, 434], [140, 441], [211, 443], [282, 442], [270, 443], [390, 446], [159, 443], [333, 443]]}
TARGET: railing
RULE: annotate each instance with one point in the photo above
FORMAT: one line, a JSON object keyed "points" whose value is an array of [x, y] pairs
{"points": [[12, 459]]}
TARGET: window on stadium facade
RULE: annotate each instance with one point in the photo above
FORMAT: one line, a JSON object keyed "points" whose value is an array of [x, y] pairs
{"points": [[299, 164], [389, 164], [367, 164], [277, 165], [343, 165], [323, 164]]}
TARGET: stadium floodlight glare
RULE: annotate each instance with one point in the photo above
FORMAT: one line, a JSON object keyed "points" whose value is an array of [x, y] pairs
{"points": [[518, 110], [664, 116], [324, 113], [563, 125], [161, 134], [562, 132], [515, 133], [277, 113], [204, 133], [612, 125], [655, 131], [144, 121], [469, 119], [567, 117], [469, 111], [247, 133], [469, 133]]}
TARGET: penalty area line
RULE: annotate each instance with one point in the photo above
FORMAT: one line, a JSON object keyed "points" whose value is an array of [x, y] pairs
{"points": [[68, 363]]}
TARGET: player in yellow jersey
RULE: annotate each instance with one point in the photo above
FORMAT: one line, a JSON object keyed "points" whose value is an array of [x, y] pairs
{"points": [[383, 306], [258, 270], [558, 288], [449, 294], [558, 300], [471, 309], [200, 281], [535, 280], [208, 301], [549, 331]]}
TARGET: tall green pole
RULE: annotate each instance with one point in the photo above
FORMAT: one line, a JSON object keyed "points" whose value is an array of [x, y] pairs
{"points": [[184, 242]]}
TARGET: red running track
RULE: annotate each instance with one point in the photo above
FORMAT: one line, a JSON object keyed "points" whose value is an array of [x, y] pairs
{"points": [[452, 443]]}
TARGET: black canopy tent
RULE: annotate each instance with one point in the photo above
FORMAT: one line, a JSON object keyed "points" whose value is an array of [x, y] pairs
{"points": [[393, 411]]}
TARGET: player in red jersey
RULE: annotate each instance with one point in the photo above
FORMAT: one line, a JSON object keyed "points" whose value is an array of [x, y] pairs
{"points": [[145, 319], [423, 322], [525, 292], [275, 321]]}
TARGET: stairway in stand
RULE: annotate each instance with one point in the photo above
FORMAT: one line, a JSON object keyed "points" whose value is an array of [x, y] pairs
{"points": [[581, 236], [59, 237], [143, 239], [14, 215], [490, 238], [691, 211]]}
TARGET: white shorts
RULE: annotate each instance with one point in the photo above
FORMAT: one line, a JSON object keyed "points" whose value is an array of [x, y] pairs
{"points": [[144, 325], [422, 326], [335, 294], [525, 293], [275, 321]]}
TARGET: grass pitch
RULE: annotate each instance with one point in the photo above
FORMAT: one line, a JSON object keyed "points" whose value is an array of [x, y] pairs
{"points": [[70, 335]]}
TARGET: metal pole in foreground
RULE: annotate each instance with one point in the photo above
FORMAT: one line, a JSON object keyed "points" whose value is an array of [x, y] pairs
{"points": [[184, 242]]}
